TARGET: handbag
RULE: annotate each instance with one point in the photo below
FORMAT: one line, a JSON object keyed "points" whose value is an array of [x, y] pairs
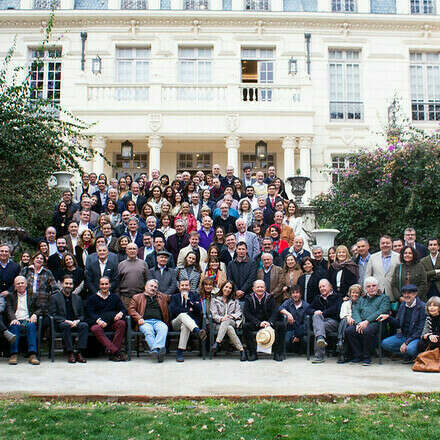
{"points": [[428, 361]]}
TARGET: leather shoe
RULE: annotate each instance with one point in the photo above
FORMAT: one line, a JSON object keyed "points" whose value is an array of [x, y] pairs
{"points": [[33, 360], [71, 359], [161, 355], [252, 357], [243, 356], [13, 360], [215, 348], [278, 357], [80, 359], [202, 334]]}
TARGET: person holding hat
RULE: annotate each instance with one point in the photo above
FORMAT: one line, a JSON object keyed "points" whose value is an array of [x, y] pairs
{"points": [[165, 275], [409, 321], [261, 312]]}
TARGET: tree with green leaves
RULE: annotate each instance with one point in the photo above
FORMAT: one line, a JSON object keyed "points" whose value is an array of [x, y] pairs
{"points": [[387, 189]]}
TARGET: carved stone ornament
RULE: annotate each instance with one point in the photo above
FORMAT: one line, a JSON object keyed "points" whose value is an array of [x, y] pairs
{"points": [[232, 122], [155, 121]]}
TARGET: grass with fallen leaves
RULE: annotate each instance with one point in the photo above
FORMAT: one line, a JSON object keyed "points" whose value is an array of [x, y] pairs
{"points": [[409, 417]]}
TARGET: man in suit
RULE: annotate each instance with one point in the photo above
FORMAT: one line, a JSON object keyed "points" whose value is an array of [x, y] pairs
{"points": [[86, 204], [410, 240], [137, 198], [267, 247], [320, 262], [9, 269], [68, 313], [271, 175], [54, 261], [165, 276], [147, 248], [251, 240], [151, 258], [72, 236], [227, 253], [297, 250], [272, 276], [248, 180], [101, 195], [123, 227], [133, 233], [431, 263], [242, 271], [176, 242], [102, 267], [83, 187], [110, 239], [201, 254], [228, 180], [362, 258], [382, 264], [271, 197], [195, 205]]}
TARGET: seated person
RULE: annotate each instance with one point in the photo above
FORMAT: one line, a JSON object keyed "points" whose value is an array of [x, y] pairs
{"points": [[149, 311], [106, 311], [431, 332], [10, 337], [227, 316], [410, 320], [20, 313], [345, 315], [185, 310], [362, 335], [260, 311], [67, 310], [324, 310], [295, 310]]}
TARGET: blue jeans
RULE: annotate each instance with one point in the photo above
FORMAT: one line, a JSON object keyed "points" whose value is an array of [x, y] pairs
{"points": [[393, 343], [155, 333], [31, 336]]}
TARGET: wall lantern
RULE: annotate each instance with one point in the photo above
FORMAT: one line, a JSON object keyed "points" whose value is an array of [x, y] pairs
{"points": [[96, 65], [127, 150], [261, 150], [293, 66]]}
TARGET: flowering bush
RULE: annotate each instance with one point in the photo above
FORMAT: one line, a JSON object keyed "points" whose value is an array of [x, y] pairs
{"points": [[386, 190]]}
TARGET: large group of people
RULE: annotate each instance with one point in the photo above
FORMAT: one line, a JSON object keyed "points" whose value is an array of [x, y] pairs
{"points": [[212, 255]]}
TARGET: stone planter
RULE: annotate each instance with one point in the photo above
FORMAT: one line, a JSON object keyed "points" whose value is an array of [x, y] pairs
{"points": [[9, 235], [63, 179], [325, 238], [298, 184]]}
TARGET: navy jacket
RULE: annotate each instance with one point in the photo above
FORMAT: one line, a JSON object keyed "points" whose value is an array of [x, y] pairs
{"points": [[177, 306], [242, 274], [417, 323], [298, 314], [7, 275], [329, 306]]}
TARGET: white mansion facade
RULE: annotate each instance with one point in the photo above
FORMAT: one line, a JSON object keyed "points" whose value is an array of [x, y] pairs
{"points": [[190, 83]]}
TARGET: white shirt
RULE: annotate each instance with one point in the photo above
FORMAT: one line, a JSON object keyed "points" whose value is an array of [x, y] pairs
{"points": [[102, 265], [434, 259], [74, 241], [52, 248], [82, 227], [195, 209], [22, 312]]}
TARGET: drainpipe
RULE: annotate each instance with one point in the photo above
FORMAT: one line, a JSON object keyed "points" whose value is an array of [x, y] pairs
{"points": [[308, 37], [83, 50]]}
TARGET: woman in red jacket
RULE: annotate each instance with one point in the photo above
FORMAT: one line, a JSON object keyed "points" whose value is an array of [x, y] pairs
{"points": [[278, 244]]}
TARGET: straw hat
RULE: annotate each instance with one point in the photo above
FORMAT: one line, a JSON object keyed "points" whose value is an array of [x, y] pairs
{"points": [[266, 337]]}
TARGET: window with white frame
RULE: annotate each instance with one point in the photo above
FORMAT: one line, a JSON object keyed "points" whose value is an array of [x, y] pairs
{"points": [[257, 5], [193, 162], [90, 4], [250, 160], [134, 4], [46, 4], [425, 86], [344, 6], [340, 163], [383, 6], [195, 65], [45, 75], [257, 67], [422, 6], [300, 5], [135, 166], [195, 5], [345, 93], [9, 4]]}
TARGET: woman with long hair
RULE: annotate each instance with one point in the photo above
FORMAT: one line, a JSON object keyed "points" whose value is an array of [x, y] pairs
{"points": [[278, 244], [111, 210], [331, 255], [245, 211], [43, 247], [25, 259], [206, 294], [85, 247], [343, 272], [165, 226], [214, 272], [177, 204], [61, 218], [206, 200], [219, 238], [190, 271], [122, 188], [168, 194], [280, 189], [188, 219], [164, 181], [120, 247], [70, 267], [155, 199], [227, 317], [291, 273], [239, 192]]}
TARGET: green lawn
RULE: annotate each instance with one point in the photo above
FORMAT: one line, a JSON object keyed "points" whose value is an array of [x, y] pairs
{"points": [[408, 417]]}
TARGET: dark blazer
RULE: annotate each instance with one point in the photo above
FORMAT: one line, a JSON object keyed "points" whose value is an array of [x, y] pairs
{"points": [[137, 239], [70, 247], [199, 217], [54, 265], [269, 204], [141, 200], [7, 275], [225, 256], [79, 254], [99, 207], [433, 278], [421, 250], [348, 279], [151, 260], [242, 274], [57, 308], [299, 256], [93, 274], [417, 323], [167, 280], [177, 307], [312, 286], [172, 247], [225, 181], [11, 305]]}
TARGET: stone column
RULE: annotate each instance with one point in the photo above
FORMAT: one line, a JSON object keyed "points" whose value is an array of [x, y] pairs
{"points": [[288, 146], [232, 145], [98, 145], [154, 144], [305, 150]]}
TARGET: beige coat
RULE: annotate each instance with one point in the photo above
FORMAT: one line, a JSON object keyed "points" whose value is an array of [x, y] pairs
{"points": [[219, 309]]}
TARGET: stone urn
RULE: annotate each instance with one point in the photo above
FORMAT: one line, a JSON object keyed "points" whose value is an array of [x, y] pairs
{"points": [[63, 179], [298, 184], [10, 235], [325, 238]]}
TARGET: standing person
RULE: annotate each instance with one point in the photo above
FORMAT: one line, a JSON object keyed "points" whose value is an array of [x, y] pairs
{"points": [[248, 180], [297, 250], [149, 311], [398, 244], [72, 236], [309, 280], [9, 269], [61, 219], [177, 241], [431, 331], [291, 272], [286, 232], [343, 272], [21, 313], [362, 258], [318, 258], [259, 186], [68, 313], [279, 245], [214, 272], [54, 261], [185, 310], [410, 240], [382, 264], [273, 278], [410, 319], [133, 274], [85, 247], [294, 308], [251, 240], [190, 271], [324, 310], [106, 311], [431, 264], [409, 271], [227, 317], [242, 271], [70, 267], [206, 233], [260, 311], [85, 187], [193, 246]]}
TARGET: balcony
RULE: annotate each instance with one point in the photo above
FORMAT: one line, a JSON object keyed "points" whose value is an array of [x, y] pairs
{"points": [[9, 4], [210, 97]]}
